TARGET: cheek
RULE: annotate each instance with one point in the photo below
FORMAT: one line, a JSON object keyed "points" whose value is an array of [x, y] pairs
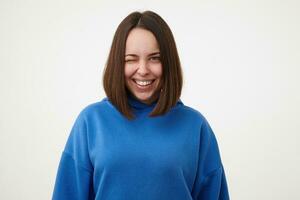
{"points": [[128, 71], [157, 71]]}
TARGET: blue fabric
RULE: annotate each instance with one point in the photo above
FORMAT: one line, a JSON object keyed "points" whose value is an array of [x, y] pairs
{"points": [[108, 157]]}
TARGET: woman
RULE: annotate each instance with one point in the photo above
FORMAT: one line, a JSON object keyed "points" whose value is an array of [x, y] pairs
{"points": [[141, 142]]}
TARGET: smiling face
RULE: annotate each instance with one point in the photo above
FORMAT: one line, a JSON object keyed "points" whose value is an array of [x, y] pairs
{"points": [[143, 68]]}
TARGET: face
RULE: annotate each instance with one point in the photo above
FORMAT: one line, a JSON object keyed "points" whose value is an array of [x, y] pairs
{"points": [[143, 68]]}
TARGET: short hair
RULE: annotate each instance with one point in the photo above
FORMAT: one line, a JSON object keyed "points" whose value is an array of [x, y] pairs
{"points": [[114, 76]]}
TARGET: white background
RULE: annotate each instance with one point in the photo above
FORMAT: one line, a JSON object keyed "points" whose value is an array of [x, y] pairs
{"points": [[241, 64]]}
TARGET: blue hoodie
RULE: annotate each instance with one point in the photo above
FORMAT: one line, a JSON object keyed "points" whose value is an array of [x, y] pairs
{"points": [[169, 157]]}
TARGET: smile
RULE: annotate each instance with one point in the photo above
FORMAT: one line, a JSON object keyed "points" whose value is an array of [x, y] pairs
{"points": [[143, 82]]}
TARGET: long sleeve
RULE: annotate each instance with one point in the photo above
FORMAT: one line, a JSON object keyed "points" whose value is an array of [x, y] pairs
{"points": [[210, 183], [75, 171]]}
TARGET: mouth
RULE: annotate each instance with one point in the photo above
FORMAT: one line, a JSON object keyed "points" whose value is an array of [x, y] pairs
{"points": [[143, 84]]}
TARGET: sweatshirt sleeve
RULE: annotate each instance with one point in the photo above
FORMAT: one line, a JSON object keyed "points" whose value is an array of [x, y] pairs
{"points": [[210, 183], [75, 171]]}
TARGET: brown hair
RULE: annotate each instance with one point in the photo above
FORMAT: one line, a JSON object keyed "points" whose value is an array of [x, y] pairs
{"points": [[114, 78]]}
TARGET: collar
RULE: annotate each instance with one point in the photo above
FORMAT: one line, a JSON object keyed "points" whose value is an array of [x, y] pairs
{"points": [[138, 105]]}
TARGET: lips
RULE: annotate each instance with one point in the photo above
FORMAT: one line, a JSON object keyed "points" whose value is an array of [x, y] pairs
{"points": [[143, 82], [143, 85]]}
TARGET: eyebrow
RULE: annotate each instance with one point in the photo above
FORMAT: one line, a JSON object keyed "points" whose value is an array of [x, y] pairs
{"points": [[151, 54]]}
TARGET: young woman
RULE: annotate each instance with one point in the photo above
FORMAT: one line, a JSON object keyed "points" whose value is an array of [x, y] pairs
{"points": [[141, 142]]}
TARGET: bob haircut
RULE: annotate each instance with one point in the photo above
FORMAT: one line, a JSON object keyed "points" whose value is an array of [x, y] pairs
{"points": [[114, 76]]}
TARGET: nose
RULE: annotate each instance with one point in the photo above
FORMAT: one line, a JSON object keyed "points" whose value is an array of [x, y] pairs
{"points": [[142, 68]]}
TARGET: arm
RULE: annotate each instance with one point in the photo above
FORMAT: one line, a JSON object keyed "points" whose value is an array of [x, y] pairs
{"points": [[75, 171], [214, 186], [210, 183]]}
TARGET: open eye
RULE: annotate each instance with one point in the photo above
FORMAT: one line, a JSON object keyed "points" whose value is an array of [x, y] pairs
{"points": [[155, 58]]}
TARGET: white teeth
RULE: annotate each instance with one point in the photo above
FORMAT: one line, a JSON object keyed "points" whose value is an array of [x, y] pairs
{"points": [[143, 83]]}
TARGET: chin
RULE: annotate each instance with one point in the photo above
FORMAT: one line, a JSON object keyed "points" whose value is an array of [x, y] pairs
{"points": [[146, 95], [143, 97]]}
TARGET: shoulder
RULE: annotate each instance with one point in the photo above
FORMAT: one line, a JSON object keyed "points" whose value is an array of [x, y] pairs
{"points": [[95, 106], [190, 113], [207, 134], [94, 109]]}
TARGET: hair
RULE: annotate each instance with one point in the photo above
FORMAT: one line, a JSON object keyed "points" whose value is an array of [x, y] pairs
{"points": [[114, 77]]}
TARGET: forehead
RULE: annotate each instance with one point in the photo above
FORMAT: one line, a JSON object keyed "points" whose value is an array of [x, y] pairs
{"points": [[141, 41]]}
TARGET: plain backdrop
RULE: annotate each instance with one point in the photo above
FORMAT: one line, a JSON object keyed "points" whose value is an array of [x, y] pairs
{"points": [[240, 61]]}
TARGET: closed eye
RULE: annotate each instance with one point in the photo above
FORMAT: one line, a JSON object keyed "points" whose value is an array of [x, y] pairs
{"points": [[129, 60]]}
